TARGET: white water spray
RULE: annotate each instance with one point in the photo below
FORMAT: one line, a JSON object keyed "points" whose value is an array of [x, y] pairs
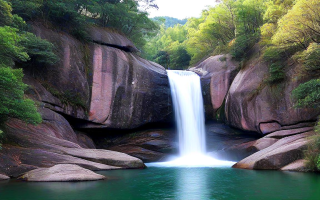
{"points": [[189, 113]]}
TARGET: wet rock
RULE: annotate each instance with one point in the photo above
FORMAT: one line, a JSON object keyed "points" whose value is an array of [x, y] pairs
{"points": [[61, 173]]}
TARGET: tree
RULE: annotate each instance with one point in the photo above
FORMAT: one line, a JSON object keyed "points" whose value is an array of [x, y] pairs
{"points": [[300, 25]]}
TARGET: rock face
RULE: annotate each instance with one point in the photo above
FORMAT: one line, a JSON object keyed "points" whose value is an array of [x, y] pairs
{"points": [[282, 150], [54, 142], [253, 105], [217, 74], [62, 172], [102, 82], [127, 91]]}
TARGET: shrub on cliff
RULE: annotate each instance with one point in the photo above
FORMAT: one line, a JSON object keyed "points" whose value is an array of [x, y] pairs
{"points": [[13, 102]]}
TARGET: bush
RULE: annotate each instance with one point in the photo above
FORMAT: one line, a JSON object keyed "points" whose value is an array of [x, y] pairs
{"points": [[242, 45], [39, 50], [276, 72], [13, 104], [307, 94], [310, 60], [277, 57]]}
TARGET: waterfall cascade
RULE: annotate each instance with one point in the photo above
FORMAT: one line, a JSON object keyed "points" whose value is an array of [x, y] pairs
{"points": [[189, 113]]}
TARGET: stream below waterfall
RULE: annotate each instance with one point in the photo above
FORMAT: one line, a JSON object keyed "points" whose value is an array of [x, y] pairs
{"points": [[156, 183]]}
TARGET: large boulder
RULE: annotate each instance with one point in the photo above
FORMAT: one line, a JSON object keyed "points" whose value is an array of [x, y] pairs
{"points": [[217, 74], [127, 91], [53, 142], [103, 82], [61, 173], [280, 154], [254, 105]]}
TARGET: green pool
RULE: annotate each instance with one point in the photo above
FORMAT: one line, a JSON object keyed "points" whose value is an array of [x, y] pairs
{"points": [[174, 183]]}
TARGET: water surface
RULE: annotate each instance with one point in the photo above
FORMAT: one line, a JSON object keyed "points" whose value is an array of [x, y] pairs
{"points": [[174, 183]]}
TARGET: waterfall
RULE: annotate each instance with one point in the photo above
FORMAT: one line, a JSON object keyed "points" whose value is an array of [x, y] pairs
{"points": [[189, 114]]}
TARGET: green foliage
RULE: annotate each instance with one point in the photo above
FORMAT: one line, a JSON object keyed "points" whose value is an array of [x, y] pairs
{"points": [[310, 59], [312, 153], [277, 74], [277, 58], [170, 21], [13, 104], [5, 13], [74, 16], [11, 50], [180, 59], [162, 58], [39, 50], [307, 94], [242, 45]]}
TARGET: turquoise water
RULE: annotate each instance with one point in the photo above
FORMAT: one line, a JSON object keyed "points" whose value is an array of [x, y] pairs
{"points": [[174, 183]]}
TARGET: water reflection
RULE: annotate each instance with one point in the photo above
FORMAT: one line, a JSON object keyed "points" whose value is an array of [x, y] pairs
{"points": [[192, 184], [65, 186]]}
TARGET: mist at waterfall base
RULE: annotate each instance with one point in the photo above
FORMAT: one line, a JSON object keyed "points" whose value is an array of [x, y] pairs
{"points": [[189, 114]]}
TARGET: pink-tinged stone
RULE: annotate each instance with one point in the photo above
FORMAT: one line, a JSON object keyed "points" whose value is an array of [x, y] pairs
{"points": [[297, 166], [266, 128], [283, 152], [285, 133], [61, 173], [217, 72], [110, 87], [254, 105], [127, 91]]}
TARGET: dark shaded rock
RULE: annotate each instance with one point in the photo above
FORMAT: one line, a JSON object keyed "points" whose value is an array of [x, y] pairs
{"points": [[84, 140], [148, 145], [61, 173], [110, 37], [266, 128], [227, 143]]}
